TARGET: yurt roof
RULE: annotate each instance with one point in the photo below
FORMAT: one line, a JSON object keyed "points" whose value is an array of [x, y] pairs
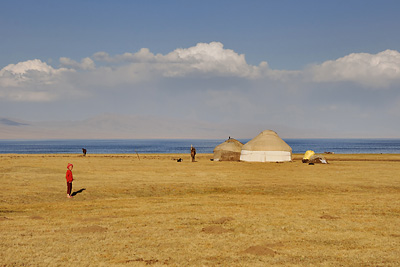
{"points": [[267, 140], [230, 145]]}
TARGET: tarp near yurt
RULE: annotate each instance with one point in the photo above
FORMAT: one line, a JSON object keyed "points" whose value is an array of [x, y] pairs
{"points": [[228, 150], [266, 147], [317, 159]]}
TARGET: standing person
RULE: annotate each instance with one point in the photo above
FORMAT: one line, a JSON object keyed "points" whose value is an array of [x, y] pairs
{"points": [[69, 178], [192, 152]]}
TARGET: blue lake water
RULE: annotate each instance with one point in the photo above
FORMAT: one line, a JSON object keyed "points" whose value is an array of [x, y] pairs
{"points": [[339, 146]]}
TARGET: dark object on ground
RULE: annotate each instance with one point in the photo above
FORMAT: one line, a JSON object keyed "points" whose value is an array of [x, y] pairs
{"points": [[78, 192], [84, 151]]}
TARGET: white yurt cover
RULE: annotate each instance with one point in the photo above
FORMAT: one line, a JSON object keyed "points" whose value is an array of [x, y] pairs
{"points": [[266, 147]]}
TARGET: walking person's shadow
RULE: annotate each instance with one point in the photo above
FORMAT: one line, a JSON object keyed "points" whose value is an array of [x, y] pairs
{"points": [[78, 192]]}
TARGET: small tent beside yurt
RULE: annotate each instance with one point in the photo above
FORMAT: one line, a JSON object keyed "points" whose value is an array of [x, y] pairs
{"points": [[228, 151], [266, 147]]}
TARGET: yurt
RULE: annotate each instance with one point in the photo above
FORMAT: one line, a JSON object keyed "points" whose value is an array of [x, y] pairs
{"points": [[266, 147], [228, 151]]}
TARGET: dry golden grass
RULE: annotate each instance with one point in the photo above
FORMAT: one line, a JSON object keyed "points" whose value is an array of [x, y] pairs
{"points": [[156, 211]]}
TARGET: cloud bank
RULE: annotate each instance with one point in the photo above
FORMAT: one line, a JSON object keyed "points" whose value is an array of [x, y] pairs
{"points": [[210, 83], [34, 80], [379, 70]]}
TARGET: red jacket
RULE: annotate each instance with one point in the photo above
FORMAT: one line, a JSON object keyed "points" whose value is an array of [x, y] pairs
{"points": [[68, 176]]}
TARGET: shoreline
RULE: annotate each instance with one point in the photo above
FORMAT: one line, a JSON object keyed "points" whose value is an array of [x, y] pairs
{"points": [[208, 156], [177, 146]]}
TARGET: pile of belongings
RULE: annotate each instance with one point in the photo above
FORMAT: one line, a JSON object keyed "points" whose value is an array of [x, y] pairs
{"points": [[310, 157]]}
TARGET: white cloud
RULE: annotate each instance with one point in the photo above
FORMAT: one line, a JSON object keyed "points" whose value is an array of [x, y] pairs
{"points": [[204, 58], [213, 60], [31, 70], [23, 67], [31, 80], [209, 58], [85, 64], [371, 70], [143, 55]]}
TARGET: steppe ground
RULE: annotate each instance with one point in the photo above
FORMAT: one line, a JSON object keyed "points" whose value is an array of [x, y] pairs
{"points": [[136, 210]]}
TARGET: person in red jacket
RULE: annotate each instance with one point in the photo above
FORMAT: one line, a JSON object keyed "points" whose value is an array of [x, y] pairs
{"points": [[69, 178]]}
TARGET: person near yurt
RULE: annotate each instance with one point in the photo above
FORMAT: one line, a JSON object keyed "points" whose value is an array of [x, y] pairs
{"points": [[266, 147], [228, 151]]}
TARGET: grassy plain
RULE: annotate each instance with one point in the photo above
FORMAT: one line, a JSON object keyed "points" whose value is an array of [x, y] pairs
{"points": [[156, 211]]}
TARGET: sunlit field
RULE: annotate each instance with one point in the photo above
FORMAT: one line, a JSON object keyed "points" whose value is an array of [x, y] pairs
{"points": [[152, 210]]}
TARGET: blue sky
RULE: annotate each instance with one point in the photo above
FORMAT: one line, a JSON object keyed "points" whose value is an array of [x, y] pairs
{"points": [[263, 64], [288, 34]]}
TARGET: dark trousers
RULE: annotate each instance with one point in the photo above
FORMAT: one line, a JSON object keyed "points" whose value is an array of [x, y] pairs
{"points": [[69, 188]]}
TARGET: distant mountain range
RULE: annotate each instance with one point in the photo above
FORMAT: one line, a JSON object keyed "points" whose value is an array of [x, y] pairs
{"points": [[112, 126], [8, 122]]}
